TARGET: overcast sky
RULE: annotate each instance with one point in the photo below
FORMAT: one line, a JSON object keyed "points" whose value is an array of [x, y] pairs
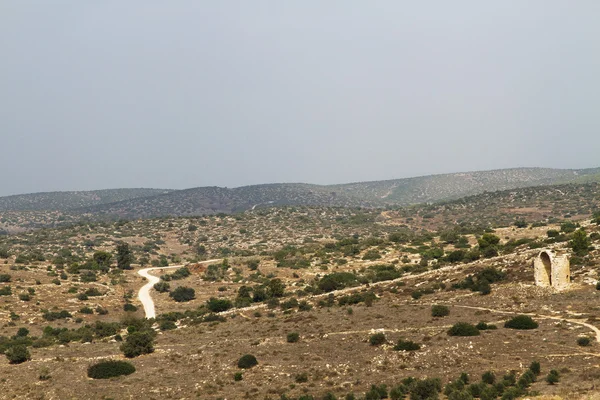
{"points": [[177, 94]]}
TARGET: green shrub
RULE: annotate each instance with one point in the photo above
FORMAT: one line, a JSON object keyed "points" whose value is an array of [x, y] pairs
{"points": [[54, 315], [293, 337], [521, 322], [22, 332], [488, 377], [377, 392], [583, 341], [553, 377], [162, 287], [426, 389], [535, 367], [110, 369], [406, 345], [301, 377], [336, 281], [416, 295], [482, 326], [129, 307], [463, 329], [377, 339], [238, 376], [167, 325], [17, 354], [218, 305], [138, 343], [439, 311], [182, 294], [247, 361]]}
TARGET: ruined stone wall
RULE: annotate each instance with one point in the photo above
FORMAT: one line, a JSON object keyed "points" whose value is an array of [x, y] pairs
{"points": [[550, 269]]}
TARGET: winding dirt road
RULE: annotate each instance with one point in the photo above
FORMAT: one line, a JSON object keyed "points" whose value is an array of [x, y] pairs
{"points": [[144, 293]]}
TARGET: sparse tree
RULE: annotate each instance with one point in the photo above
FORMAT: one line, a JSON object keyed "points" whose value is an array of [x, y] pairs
{"points": [[124, 256]]}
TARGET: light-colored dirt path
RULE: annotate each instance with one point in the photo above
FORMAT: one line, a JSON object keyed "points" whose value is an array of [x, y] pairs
{"points": [[144, 293], [573, 321]]}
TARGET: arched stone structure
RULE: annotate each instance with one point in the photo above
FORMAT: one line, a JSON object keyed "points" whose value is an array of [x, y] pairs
{"points": [[552, 270]]}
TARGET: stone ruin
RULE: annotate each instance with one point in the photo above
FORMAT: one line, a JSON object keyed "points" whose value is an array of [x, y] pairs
{"points": [[552, 270]]}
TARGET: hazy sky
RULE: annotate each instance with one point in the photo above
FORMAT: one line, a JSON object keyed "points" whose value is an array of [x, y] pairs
{"points": [[176, 94]]}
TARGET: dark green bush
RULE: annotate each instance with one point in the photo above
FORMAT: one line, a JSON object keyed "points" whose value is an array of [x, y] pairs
{"points": [[535, 367], [439, 311], [247, 361], [583, 341], [138, 343], [129, 307], [301, 377], [293, 337], [488, 377], [218, 305], [482, 326], [167, 325], [336, 281], [521, 322], [406, 345], [426, 389], [377, 339], [162, 287], [110, 369], [17, 354], [463, 329], [553, 377], [182, 294], [54, 315]]}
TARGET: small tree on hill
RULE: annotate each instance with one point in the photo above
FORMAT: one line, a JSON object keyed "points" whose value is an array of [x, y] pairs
{"points": [[124, 256], [580, 243]]}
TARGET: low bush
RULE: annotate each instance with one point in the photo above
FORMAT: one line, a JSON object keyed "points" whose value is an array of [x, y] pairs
{"points": [[377, 339], [138, 343], [182, 294], [482, 326], [521, 322], [247, 361], [488, 377], [162, 287], [293, 337], [110, 369], [218, 305], [553, 377], [463, 329], [17, 354], [406, 345], [583, 341], [439, 311]]}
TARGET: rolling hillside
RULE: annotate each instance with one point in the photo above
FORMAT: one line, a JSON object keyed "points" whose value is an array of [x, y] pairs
{"points": [[141, 203], [63, 201], [397, 192]]}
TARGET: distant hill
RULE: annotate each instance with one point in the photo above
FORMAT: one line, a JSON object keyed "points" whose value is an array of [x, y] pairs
{"points": [[435, 188], [397, 192], [64, 201], [141, 203]]}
